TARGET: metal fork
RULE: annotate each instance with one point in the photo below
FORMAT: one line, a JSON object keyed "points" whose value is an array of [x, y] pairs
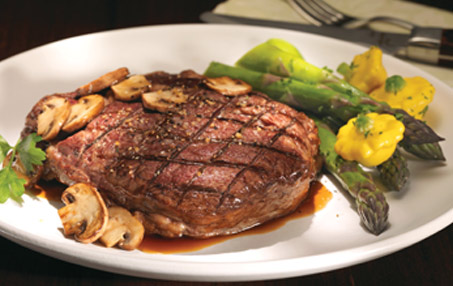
{"points": [[319, 13]]}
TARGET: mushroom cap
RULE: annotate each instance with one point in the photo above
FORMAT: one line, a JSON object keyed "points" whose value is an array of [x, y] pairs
{"points": [[85, 215], [130, 89], [55, 111], [83, 111], [103, 81], [228, 86], [163, 100], [123, 229]]}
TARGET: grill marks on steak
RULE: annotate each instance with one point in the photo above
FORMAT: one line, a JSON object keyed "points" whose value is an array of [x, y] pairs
{"points": [[215, 165]]}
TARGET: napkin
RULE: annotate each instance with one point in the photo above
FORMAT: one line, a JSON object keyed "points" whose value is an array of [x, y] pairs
{"points": [[422, 15]]}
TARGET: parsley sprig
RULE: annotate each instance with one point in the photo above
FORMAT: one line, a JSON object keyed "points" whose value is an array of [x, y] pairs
{"points": [[11, 186], [364, 124], [394, 84]]}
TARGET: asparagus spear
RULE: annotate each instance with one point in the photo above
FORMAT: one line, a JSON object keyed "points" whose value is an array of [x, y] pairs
{"points": [[323, 101], [371, 204], [274, 58], [427, 151], [394, 172], [279, 57], [317, 98], [285, 47]]}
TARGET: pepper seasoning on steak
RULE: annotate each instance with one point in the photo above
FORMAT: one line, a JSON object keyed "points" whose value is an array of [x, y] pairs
{"points": [[212, 165]]}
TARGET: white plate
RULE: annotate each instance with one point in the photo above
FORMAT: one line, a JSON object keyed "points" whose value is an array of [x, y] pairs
{"points": [[330, 239]]}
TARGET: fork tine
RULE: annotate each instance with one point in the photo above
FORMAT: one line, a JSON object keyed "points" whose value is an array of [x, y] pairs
{"points": [[329, 9], [305, 11], [325, 12], [315, 13], [319, 12]]}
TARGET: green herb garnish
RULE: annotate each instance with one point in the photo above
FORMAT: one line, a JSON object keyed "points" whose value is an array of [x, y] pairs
{"points": [[11, 186], [394, 84], [346, 70], [364, 124]]}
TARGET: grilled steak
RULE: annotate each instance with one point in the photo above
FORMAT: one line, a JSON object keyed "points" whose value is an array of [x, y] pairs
{"points": [[213, 165]]}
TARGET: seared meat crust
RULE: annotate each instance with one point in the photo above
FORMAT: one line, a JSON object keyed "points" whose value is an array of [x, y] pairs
{"points": [[214, 165]]}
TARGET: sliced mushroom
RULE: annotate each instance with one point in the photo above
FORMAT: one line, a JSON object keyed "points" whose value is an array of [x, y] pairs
{"points": [[104, 81], [191, 74], [163, 100], [55, 111], [131, 88], [228, 86], [83, 111], [85, 215], [123, 229]]}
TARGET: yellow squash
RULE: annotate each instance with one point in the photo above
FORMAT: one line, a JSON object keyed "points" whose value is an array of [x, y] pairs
{"points": [[366, 71], [369, 139], [413, 96]]}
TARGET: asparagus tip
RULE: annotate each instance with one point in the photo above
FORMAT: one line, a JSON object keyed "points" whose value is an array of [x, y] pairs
{"points": [[373, 211]]}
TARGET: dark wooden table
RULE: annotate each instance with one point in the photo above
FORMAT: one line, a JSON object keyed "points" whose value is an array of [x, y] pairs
{"points": [[28, 24]]}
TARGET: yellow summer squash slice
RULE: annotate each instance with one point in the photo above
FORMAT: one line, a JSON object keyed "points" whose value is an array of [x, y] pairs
{"points": [[412, 94], [369, 139]]}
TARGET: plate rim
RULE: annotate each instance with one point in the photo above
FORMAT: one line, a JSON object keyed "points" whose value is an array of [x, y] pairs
{"points": [[386, 246]]}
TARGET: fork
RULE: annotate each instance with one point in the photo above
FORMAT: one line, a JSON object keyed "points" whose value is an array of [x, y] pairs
{"points": [[319, 13]]}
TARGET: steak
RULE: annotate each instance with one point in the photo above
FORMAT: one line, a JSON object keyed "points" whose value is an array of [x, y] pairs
{"points": [[213, 165]]}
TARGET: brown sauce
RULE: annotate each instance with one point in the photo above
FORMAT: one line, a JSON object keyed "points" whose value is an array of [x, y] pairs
{"points": [[50, 190], [317, 199]]}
